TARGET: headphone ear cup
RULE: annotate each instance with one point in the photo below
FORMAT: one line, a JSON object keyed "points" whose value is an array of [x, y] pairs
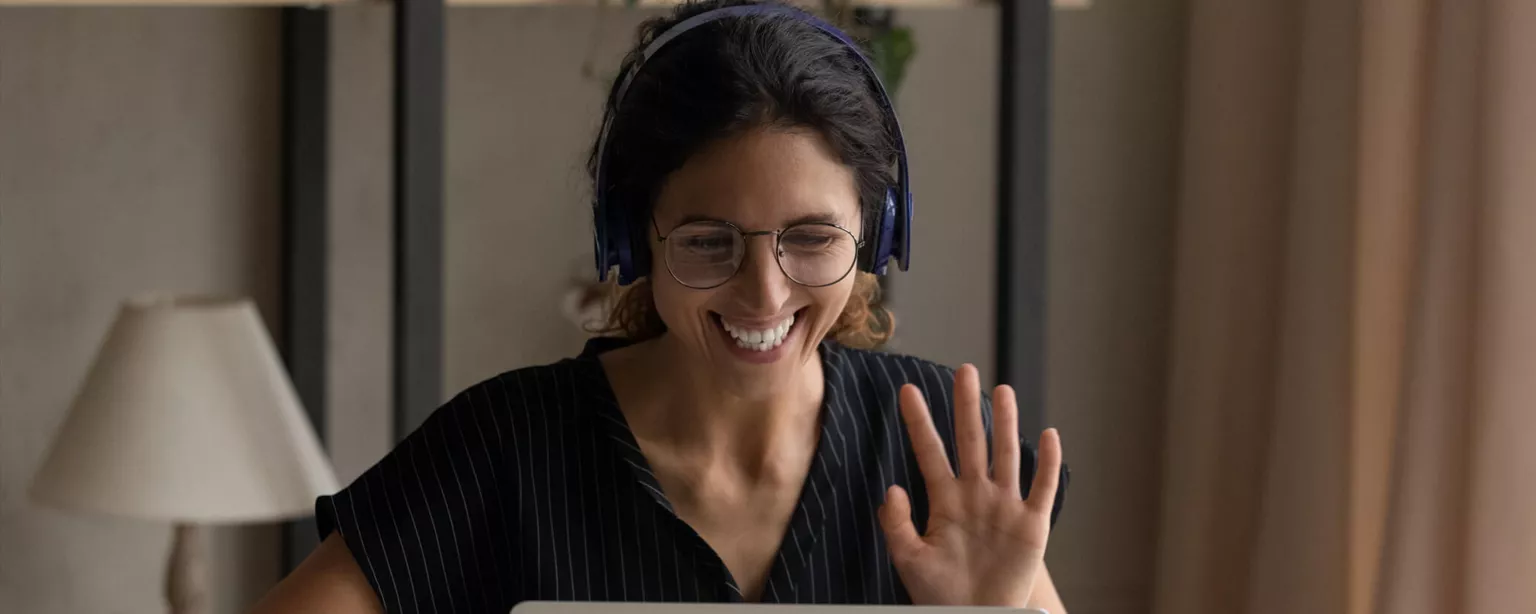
{"points": [[883, 235], [904, 234], [631, 245], [639, 249], [604, 251], [616, 243]]}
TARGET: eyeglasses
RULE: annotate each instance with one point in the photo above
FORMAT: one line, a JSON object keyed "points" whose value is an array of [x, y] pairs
{"points": [[706, 254]]}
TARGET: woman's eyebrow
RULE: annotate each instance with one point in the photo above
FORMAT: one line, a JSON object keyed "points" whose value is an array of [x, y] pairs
{"points": [[814, 218], [694, 217], [810, 218]]}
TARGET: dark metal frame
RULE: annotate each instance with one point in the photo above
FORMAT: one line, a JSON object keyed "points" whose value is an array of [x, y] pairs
{"points": [[778, 238], [418, 168], [305, 180], [1024, 86], [418, 207]]}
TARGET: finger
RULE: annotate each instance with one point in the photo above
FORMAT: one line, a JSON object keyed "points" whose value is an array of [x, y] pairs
{"points": [[1005, 441], [926, 445], [970, 435], [896, 519], [1042, 491]]}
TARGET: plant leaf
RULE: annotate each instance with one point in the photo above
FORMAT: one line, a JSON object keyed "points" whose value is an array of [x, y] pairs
{"points": [[891, 51]]}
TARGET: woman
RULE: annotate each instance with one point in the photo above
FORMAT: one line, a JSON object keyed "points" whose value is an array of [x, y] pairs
{"points": [[735, 440]]}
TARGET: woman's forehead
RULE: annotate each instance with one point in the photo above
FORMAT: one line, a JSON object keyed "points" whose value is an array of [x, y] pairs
{"points": [[762, 178]]}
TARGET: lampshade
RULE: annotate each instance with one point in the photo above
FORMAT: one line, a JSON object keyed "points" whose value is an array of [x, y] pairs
{"points": [[187, 415]]}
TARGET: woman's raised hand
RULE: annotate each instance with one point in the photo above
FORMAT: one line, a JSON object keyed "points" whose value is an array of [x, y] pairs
{"points": [[985, 544]]}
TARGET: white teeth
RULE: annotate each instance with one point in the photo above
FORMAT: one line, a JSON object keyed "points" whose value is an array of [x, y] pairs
{"points": [[760, 340]]}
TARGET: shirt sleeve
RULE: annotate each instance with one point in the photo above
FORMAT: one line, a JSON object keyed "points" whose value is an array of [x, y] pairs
{"points": [[424, 523]]}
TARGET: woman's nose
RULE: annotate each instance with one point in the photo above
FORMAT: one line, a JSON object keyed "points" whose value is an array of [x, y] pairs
{"points": [[760, 280]]}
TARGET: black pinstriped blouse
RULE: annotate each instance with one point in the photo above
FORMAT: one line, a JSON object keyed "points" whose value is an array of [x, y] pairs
{"points": [[530, 486]]}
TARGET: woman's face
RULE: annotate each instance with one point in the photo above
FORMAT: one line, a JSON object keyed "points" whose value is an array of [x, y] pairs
{"points": [[766, 179]]}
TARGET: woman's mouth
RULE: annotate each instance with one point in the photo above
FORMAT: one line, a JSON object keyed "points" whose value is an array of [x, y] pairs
{"points": [[758, 341]]}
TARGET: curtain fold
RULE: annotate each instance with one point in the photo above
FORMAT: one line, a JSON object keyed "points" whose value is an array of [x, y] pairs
{"points": [[1352, 379]]}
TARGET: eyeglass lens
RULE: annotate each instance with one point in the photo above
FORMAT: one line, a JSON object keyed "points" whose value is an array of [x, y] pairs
{"points": [[707, 254]]}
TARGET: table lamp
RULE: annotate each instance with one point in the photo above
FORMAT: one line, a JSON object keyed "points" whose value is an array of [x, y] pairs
{"points": [[186, 416]]}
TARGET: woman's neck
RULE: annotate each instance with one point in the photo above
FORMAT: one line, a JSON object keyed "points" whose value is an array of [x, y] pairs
{"points": [[671, 402]]}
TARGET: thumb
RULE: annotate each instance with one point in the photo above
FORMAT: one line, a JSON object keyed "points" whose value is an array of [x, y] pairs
{"points": [[896, 519]]}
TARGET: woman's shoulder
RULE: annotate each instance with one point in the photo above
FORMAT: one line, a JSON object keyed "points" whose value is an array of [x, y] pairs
{"points": [[537, 389], [878, 369], [436, 508], [522, 387]]}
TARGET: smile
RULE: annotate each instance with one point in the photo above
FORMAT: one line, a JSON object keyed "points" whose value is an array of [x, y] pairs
{"points": [[760, 340]]}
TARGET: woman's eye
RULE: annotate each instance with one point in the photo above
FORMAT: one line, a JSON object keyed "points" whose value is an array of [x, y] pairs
{"points": [[808, 240], [706, 243]]}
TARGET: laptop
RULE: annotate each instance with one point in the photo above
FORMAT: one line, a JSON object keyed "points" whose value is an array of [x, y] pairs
{"points": [[613, 607]]}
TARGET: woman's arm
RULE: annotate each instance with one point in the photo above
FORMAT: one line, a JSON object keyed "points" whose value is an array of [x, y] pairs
{"points": [[1044, 597], [328, 580]]}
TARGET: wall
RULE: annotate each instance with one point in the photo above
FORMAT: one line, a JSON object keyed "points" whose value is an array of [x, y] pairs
{"points": [[360, 326], [946, 304], [139, 152], [520, 116], [1116, 87]]}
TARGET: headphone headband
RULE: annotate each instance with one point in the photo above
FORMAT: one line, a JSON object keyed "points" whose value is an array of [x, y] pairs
{"points": [[893, 236]]}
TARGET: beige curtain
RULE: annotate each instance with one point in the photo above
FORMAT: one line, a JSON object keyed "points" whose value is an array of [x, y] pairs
{"points": [[1352, 409]]}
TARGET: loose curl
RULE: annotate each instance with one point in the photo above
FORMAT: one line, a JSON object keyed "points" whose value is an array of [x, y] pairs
{"points": [[725, 78]]}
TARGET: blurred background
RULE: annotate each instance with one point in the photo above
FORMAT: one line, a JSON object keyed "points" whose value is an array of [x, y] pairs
{"points": [[1265, 263]]}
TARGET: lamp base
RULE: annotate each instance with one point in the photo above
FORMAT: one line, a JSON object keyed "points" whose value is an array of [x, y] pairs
{"points": [[186, 573]]}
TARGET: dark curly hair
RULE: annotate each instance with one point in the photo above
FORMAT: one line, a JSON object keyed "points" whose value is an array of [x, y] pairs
{"points": [[718, 81]]}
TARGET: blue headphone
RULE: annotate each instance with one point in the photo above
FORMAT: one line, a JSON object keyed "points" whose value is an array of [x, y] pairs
{"points": [[612, 232]]}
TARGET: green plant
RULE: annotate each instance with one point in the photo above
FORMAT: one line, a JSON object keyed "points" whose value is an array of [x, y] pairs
{"points": [[890, 47], [890, 51]]}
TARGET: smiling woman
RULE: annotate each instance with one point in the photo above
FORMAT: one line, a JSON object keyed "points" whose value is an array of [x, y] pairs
{"points": [[737, 437], [726, 289]]}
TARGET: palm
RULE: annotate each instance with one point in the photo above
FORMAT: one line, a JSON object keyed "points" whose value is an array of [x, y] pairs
{"points": [[984, 545]]}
